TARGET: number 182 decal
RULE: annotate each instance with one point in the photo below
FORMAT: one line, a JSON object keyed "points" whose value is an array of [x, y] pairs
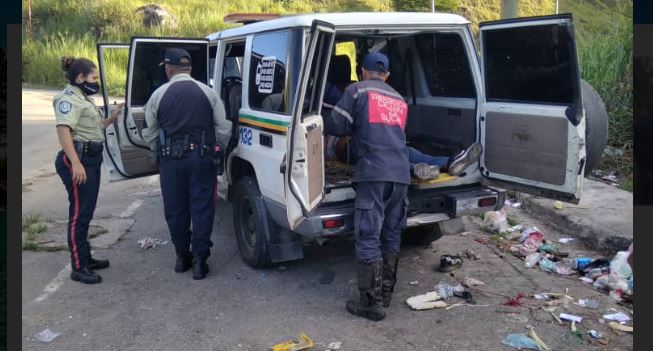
{"points": [[245, 136]]}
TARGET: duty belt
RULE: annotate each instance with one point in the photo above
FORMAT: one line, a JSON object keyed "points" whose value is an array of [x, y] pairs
{"points": [[91, 148]]}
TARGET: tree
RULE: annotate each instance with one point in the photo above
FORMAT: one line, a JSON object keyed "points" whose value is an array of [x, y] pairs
{"points": [[425, 5]]}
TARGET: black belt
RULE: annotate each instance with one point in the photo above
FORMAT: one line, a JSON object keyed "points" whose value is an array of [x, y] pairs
{"points": [[91, 148]]}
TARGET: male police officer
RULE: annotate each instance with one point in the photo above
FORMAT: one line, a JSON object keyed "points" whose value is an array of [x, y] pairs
{"points": [[375, 115], [185, 119]]}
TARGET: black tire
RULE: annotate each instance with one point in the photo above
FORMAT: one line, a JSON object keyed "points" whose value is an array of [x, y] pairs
{"points": [[596, 126], [422, 235], [251, 223]]}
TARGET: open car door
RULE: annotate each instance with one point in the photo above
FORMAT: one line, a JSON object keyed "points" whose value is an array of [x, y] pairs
{"points": [[127, 155], [305, 161], [532, 122]]}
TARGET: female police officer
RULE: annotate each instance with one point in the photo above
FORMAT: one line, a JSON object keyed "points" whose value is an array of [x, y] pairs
{"points": [[80, 129]]}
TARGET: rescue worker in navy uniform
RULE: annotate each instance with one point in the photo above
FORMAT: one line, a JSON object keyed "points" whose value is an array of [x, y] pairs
{"points": [[185, 119], [374, 114], [80, 128]]}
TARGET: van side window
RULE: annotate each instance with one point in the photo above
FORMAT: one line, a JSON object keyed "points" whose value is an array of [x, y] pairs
{"points": [[529, 66], [268, 75], [446, 65]]}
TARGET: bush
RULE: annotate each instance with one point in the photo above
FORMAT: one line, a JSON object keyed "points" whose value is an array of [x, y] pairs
{"points": [[425, 5]]}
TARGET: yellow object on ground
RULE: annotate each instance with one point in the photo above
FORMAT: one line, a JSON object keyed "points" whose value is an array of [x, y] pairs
{"points": [[619, 327], [558, 205], [444, 177], [304, 343]]}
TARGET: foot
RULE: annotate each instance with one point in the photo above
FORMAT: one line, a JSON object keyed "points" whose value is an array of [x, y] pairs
{"points": [[425, 171], [200, 268], [465, 158], [98, 264], [183, 263], [374, 312], [85, 275]]}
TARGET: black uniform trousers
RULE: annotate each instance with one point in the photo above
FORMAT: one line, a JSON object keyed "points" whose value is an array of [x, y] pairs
{"points": [[379, 218], [188, 186], [82, 199]]}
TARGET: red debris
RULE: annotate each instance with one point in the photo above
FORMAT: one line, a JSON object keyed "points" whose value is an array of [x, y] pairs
{"points": [[515, 301]]}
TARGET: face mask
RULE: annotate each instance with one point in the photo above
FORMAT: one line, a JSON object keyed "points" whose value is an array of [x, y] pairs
{"points": [[88, 88]]}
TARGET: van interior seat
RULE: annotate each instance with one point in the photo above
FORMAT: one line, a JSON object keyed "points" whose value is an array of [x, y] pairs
{"points": [[340, 71]]}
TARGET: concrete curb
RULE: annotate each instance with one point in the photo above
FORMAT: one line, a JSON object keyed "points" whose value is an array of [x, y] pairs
{"points": [[603, 220]]}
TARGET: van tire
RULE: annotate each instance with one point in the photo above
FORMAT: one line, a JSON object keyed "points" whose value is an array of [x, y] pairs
{"points": [[252, 223], [596, 126], [422, 235]]}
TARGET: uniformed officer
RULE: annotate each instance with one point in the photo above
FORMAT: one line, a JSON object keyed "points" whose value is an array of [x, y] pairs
{"points": [[80, 127], [375, 115], [185, 119]]}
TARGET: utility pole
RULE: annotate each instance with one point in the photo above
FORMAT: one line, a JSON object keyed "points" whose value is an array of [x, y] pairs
{"points": [[432, 5], [509, 8]]}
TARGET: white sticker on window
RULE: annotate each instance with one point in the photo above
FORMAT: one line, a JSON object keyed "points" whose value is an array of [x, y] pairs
{"points": [[265, 74]]}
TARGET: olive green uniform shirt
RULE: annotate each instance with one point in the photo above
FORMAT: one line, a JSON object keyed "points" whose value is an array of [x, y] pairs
{"points": [[74, 109]]}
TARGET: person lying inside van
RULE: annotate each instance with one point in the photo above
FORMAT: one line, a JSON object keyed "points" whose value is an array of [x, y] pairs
{"points": [[422, 166]]}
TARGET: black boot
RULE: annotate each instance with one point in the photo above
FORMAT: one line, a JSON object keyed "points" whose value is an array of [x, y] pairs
{"points": [[390, 262], [370, 301], [85, 275], [184, 262], [200, 268], [98, 264]]}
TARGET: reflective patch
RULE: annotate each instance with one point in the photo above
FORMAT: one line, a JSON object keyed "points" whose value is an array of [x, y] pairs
{"points": [[64, 107], [386, 110]]}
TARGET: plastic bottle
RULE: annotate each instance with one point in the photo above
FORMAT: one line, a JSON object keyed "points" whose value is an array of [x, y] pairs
{"points": [[581, 262], [532, 259]]}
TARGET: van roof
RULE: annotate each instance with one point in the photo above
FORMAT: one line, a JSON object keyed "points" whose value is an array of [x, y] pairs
{"points": [[343, 20]]}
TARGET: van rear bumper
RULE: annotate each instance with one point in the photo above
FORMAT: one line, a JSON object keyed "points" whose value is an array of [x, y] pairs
{"points": [[425, 207]]}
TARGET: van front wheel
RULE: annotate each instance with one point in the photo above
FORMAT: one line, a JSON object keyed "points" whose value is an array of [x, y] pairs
{"points": [[251, 223]]}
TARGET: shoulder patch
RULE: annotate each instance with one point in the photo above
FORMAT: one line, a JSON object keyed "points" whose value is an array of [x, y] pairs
{"points": [[68, 92], [64, 107]]}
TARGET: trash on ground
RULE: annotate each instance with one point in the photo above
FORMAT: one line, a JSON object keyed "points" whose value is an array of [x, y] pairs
{"points": [[514, 301], [595, 334], [558, 205], [520, 341], [516, 205], [589, 303], [471, 255], [426, 301], [543, 346], [150, 243], [46, 335], [573, 327], [556, 317], [415, 282], [472, 282], [619, 327], [334, 345], [469, 298], [444, 290], [619, 317], [586, 280], [303, 343], [496, 221], [532, 259], [547, 265], [621, 275], [571, 317], [565, 240], [449, 263]]}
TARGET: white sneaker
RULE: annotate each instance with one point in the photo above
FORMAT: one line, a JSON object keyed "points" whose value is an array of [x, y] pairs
{"points": [[465, 158], [425, 171]]}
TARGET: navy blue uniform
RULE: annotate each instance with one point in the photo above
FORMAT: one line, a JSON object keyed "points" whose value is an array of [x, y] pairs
{"points": [[375, 115]]}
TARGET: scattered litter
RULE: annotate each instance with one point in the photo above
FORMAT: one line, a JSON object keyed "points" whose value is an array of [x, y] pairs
{"points": [[426, 301], [558, 205], [619, 317], [472, 282], [586, 280], [596, 335], [303, 343], [541, 296], [618, 327], [327, 277], [591, 304], [46, 335], [571, 317], [414, 282], [547, 265], [573, 327], [150, 243], [334, 345], [520, 341], [603, 341], [449, 263], [556, 317], [547, 248], [444, 290], [621, 275], [471, 255], [515, 228], [469, 298], [532, 259], [565, 240], [601, 283], [496, 221], [516, 205], [515, 301], [543, 346]]}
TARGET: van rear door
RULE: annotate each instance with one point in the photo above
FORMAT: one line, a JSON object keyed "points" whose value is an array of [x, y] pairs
{"points": [[532, 121]]}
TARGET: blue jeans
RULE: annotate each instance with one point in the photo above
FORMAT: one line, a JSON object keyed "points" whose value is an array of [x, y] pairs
{"points": [[415, 157]]}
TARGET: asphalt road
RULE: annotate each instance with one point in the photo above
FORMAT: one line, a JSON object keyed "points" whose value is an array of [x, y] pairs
{"points": [[142, 304]]}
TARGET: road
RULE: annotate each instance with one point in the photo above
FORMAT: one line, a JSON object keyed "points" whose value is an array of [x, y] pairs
{"points": [[142, 304]]}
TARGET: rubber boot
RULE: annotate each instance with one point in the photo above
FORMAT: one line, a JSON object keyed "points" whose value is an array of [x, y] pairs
{"points": [[370, 302], [184, 261], [390, 262], [200, 268]]}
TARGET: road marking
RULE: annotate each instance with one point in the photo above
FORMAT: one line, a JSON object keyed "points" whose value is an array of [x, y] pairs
{"points": [[55, 284], [131, 209]]}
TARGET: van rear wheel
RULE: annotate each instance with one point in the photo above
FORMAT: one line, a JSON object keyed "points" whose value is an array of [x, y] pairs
{"points": [[422, 235], [252, 223]]}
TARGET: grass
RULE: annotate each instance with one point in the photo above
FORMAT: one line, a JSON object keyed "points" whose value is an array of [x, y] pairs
{"points": [[33, 225]]}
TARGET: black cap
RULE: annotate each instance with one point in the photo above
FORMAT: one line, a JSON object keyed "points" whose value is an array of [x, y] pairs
{"points": [[173, 57]]}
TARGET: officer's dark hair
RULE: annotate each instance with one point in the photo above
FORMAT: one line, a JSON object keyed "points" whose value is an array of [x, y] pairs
{"points": [[74, 66]]}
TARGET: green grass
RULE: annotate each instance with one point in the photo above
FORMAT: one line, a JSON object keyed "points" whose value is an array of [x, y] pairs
{"points": [[33, 225]]}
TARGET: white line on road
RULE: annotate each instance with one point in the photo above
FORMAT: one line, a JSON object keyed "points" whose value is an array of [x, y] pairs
{"points": [[55, 284], [131, 209]]}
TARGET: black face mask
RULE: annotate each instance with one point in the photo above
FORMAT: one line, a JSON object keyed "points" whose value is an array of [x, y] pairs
{"points": [[88, 88]]}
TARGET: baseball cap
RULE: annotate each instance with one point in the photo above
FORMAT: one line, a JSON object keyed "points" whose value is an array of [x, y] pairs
{"points": [[173, 57], [376, 61]]}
